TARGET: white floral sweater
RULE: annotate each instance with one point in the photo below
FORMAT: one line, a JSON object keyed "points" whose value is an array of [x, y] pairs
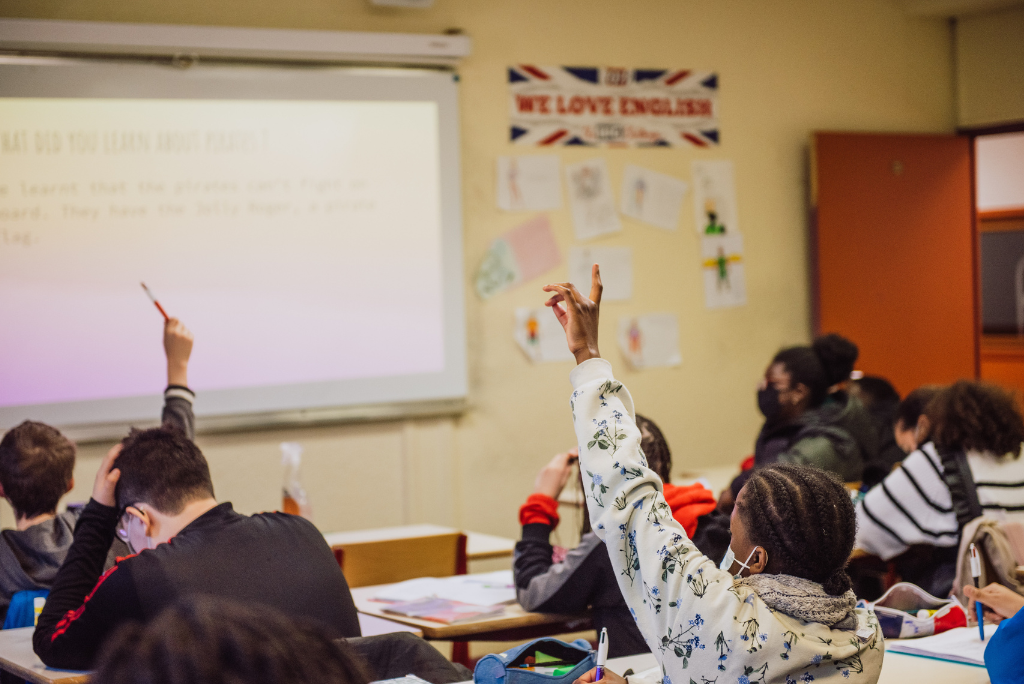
{"points": [[701, 626]]}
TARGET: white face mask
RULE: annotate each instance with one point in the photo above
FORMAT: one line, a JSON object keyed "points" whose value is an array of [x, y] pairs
{"points": [[730, 558]]}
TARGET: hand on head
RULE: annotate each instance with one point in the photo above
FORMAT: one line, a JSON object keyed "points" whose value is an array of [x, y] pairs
{"points": [[578, 315], [552, 477], [1000, 600], [107, 477], [178, 347], [609, 677]]}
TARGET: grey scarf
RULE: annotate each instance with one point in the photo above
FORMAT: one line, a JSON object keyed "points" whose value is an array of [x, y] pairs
{"points": [[804, 599]]}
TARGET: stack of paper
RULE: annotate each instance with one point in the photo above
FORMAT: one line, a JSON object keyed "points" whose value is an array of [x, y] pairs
{"points": [[960, 645], [486, 589]]}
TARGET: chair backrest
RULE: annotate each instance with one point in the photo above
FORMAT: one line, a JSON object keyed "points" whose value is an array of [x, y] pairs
{"points": [[22, 611], [395, 560]]}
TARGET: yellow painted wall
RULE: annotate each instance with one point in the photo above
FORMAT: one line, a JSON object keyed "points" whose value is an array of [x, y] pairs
{"points": [[990, 68], [787, 67]]}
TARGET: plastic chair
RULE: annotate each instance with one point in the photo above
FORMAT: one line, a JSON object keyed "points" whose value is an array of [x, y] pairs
{"points": [[22, 611]]}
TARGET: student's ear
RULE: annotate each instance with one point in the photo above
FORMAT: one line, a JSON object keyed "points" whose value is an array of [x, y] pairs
{"points": [[801, 393], [148, 523], [71, 485], [759, 563], [2, 494], [923, 428]]}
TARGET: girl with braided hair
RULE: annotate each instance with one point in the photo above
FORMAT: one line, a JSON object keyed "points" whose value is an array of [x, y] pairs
{"points": [[778, 609]]}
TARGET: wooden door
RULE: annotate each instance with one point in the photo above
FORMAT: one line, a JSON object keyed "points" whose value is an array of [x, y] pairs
{"points": [[895, 253]]}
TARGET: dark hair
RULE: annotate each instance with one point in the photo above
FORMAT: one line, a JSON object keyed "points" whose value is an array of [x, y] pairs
{"points": [[804, 519], [205, 640], [805, 368], [876, 391], [163, 468], [913, 405], [837, 355], [655, 448], [976, 416], [36, 465]]}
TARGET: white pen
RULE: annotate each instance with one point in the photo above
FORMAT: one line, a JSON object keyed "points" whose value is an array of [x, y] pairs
{"points": [[602, 653]]}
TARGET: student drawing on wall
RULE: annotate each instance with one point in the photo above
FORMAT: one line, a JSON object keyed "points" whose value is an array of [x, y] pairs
{"points": [[713, 227], [513, 183], [635, 339], [639, 189], [722, 262], [532, 330]]}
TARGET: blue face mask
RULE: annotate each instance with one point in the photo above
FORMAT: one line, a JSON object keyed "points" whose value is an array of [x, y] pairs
{"points": [[730, 558]]}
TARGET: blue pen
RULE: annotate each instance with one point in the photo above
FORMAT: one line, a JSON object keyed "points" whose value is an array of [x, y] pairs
{"points": [[602, 655], [976, 573]]}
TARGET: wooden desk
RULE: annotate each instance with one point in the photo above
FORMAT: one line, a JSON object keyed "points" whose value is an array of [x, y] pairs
{"points": [[514, 624], [17, 657], [478, 546]]}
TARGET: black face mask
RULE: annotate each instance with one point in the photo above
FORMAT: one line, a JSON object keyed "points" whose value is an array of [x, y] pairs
{"points": [[768, 401]]}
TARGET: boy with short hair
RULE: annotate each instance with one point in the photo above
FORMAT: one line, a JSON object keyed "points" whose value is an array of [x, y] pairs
{"points": [[36, 471], [154, 490]]}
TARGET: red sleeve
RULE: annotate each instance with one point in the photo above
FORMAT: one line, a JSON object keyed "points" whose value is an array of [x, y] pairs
{"points": [[539, 508]]}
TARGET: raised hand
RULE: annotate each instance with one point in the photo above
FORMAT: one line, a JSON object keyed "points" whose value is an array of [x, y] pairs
{"points": [[578, 315], [552, 478], [178, 347], [106, 478]]}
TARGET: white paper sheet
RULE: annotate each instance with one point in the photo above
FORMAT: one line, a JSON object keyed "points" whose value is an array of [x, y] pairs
{"points": [[591, 200], [616, 270], [520, 254], [485, 589], [652, 197], [529, 183], [650, 341], [714, 198], [541, 337], [725, 282], [962, 645]]}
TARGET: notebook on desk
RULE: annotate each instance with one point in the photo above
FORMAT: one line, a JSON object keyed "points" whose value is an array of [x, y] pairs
{"points": [[960, 645]]}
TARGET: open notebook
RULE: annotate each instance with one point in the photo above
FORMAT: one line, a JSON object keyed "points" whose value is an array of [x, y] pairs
{"points": [[960, 645]]}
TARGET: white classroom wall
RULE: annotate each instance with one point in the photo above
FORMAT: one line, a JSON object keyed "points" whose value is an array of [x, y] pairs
{"points": [[786, 68]]}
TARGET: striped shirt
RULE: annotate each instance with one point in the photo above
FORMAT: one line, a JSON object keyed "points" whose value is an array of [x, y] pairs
{"points": [[912, 505]]}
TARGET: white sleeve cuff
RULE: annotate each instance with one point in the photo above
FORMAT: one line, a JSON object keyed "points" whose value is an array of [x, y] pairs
{"points": [[179, 392], [590, 370]]}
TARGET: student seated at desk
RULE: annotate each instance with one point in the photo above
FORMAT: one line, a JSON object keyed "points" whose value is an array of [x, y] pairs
{"points": [[207, 640], [809, 417], [913, 508], [36, 466], [779, 609], [1002, 654], [584, 580], [154, 490]]}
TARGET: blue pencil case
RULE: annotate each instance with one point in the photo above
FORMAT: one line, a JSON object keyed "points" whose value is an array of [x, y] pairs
{"points": [[510, 667]]}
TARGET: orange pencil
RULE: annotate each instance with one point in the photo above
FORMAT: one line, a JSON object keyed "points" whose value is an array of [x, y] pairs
{"points": [[153, 299]]}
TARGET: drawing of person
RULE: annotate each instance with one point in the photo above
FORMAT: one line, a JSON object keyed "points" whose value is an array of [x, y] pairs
{"points": [[532, 330], [635, 340], [513, 183], [713, 227], [722, 261], [639, 188]]}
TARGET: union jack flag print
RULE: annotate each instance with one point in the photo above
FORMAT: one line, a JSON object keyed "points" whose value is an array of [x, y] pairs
{"points": [[612, 106]]}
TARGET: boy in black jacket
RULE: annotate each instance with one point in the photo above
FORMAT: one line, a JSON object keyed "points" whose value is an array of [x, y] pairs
{"points": [[36, 464], [154, 491]]}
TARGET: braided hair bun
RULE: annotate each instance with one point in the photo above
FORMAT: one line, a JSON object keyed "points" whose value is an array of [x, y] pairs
{"points": [[805, 520]]}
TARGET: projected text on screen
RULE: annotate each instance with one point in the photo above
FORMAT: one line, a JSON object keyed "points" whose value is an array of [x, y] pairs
{"points": [[300, 241]]}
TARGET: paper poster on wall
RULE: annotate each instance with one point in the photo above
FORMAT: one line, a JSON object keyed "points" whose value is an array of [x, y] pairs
{"points": [[612, 106], [529, 183], [591, 200], [521, 254], [616, 270], [650, 341], [541, 337], [714, 197], [652, 197], [725, 283]]}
